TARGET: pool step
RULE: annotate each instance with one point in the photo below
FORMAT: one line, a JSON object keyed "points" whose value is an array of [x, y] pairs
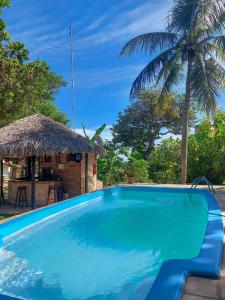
{"points": [[15, 272]]}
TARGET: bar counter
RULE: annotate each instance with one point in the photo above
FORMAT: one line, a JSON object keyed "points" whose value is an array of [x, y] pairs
{"points": [[41, 191]]}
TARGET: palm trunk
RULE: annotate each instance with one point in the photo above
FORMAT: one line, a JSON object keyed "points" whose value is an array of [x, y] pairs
{"points": [[185, 119]]}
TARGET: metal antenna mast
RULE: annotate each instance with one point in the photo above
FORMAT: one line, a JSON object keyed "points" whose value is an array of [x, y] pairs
{"points": [[72, 73]]}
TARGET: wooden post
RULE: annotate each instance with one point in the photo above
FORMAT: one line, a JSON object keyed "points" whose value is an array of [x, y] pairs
{"points": [[33, 182], [86, 172], [29, 168]]}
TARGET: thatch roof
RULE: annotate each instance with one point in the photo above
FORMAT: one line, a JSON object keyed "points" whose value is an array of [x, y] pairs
{"points": [[38, 135]]}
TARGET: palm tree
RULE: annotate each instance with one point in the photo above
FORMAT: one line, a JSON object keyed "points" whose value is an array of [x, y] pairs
{"points": [[191, 48]]}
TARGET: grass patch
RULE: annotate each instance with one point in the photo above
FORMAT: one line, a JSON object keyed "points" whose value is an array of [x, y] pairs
{"points": [[6, 216]]}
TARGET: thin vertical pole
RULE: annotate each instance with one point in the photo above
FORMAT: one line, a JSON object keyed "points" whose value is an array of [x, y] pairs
{"points": [[72, 73], [86, 172], [33, 182]]}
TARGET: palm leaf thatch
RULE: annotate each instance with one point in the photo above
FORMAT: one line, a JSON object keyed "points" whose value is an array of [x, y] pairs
{"points": [[38, 135]]}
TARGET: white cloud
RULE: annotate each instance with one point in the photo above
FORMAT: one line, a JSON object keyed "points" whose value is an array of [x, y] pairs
{"points": [[144, 18], [97, 23], [117, 24], [98, 77]]}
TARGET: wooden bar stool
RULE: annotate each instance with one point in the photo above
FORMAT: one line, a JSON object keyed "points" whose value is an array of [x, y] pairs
{"points": [[21, 196], [52, 189]]}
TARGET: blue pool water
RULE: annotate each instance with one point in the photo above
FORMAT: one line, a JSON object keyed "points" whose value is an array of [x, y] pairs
{"points": [[109, 248]]}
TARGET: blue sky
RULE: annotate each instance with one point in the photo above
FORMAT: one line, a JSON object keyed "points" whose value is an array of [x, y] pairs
{"points": [[101, 28]]}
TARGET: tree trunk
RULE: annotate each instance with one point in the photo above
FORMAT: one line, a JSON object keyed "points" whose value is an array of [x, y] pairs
{"points": [[151, 145], [148, 152], [185, 119]]}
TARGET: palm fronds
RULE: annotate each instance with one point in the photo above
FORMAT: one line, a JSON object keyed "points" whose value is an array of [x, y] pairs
{"points": [[206, 81], [98, 132], [193, 33], [96, 139], [192, 15], [216, 51], [84, 131], [150, 72], [219, 41], [150, 42], [173, 78], [210, 16], [181, 15]]}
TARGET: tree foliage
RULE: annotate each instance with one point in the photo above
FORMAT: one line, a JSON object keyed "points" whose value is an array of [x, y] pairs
{"points": [[111, 166], [118, 165], [207, 150], [135, 167], [206, 154], [206, 158], [49, 109], [25, 86], [191, 49], [164, 166], [146, 121]]}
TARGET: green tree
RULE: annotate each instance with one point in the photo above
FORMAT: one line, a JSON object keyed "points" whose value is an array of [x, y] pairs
{"points": [[191, 48], [25, 86], [136, 168], [111, 166], [48, 108], [164, 162], [145, 121], [207, 150]]}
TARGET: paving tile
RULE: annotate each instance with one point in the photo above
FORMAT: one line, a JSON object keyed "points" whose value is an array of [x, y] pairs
{"points": [[194, 297], [202, 287], [222, 288]]}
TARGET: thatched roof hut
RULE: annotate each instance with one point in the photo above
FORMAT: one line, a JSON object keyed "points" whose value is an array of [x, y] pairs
{"points": [[37, 135]]}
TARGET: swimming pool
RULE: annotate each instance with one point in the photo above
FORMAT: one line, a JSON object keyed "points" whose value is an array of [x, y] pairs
{"points": [[119, 243]]}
